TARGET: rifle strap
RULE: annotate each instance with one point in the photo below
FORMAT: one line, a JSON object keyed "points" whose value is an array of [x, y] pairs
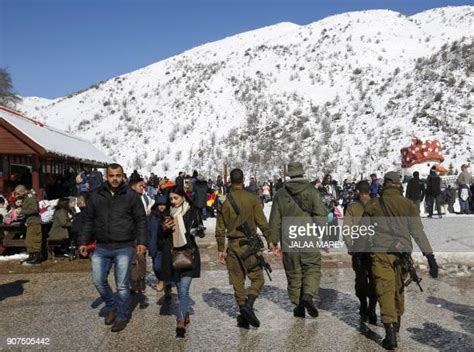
{"points": [[364, 206], [389, 223], [294, 200], [233, 203]]}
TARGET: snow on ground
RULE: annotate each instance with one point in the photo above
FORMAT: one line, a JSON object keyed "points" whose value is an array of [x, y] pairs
{"points": [[19, 256]]}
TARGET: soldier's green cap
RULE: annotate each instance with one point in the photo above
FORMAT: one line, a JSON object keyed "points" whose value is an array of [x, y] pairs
{"points": [[295, 168], [392, 176]]}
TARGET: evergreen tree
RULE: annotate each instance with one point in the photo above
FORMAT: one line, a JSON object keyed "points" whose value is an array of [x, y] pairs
{"points": [[450, 169]]}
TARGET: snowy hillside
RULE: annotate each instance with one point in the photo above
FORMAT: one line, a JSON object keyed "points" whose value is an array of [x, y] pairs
{"points": [[341, 94]]}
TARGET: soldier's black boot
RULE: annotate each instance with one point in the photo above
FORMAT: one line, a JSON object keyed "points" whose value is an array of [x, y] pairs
{"points": [[307, 302], [30, 257], [372, 314], [35, 259], [390, 341], [397, 324], [241, 321], [299, 311], [247, 312]]}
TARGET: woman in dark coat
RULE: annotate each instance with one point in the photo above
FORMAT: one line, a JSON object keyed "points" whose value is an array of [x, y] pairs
{"points": [[178, 236], [159, 212]]}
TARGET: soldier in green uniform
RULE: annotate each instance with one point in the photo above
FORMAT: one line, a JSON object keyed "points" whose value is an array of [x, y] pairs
{"points": [[227, 222], [298, 198], [30, 210], [359, 247], [398, 220]]}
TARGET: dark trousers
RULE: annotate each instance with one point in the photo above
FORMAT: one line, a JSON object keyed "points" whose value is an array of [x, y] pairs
{"points": [[364, 280], [417, 203], [430, 201]]}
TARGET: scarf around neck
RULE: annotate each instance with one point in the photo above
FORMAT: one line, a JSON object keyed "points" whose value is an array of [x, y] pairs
{"points": [[179, 234]]}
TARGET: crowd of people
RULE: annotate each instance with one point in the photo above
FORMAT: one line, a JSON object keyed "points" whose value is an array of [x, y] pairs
{"points": [[116, 219], [432, 193], [435, 191]]}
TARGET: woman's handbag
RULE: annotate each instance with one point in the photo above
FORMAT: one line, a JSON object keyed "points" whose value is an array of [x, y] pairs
{"points": [[182, 259]]}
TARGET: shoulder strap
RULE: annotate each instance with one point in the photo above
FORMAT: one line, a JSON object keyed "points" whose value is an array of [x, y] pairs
{"points": [[364, 206], [294, 200], [385, 212], [232, 202], [390, 224]]}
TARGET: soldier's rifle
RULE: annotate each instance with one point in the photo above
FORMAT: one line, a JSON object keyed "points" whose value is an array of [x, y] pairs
{"points": [[255, 247], [405, 261], [252, 240]]}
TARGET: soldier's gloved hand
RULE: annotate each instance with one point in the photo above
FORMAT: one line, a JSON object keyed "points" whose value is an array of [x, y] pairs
{"points": [[433, 265]]}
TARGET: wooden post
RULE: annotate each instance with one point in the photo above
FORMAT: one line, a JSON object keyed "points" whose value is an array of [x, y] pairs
{"points": [[35, 177], [225, 173], [3, 173]]}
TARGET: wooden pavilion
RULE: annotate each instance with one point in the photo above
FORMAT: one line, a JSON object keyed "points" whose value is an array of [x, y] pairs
{"points": [[31, 148]]}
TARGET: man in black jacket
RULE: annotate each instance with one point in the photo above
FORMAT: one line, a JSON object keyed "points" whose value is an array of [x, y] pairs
{"points": [[116, 220], [416, 190], [179, 181], [433, 192], [200, 195]]}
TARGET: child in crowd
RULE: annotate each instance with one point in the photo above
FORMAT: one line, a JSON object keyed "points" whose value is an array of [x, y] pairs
{"points": [[13, 214], [77, 224], [158, 214]]}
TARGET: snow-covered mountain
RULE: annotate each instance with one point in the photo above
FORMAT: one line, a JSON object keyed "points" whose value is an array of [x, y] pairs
{"points": [[343, 94]]}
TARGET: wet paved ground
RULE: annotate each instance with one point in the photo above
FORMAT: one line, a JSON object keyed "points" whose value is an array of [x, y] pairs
{"points": [[64, 307]]}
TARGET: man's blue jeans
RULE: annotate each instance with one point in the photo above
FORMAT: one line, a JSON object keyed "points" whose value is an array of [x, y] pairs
{"points": [[464, 205], [102, 260]]}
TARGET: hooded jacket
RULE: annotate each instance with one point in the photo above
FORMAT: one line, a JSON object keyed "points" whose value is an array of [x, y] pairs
{"points": [[308, 200]]}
